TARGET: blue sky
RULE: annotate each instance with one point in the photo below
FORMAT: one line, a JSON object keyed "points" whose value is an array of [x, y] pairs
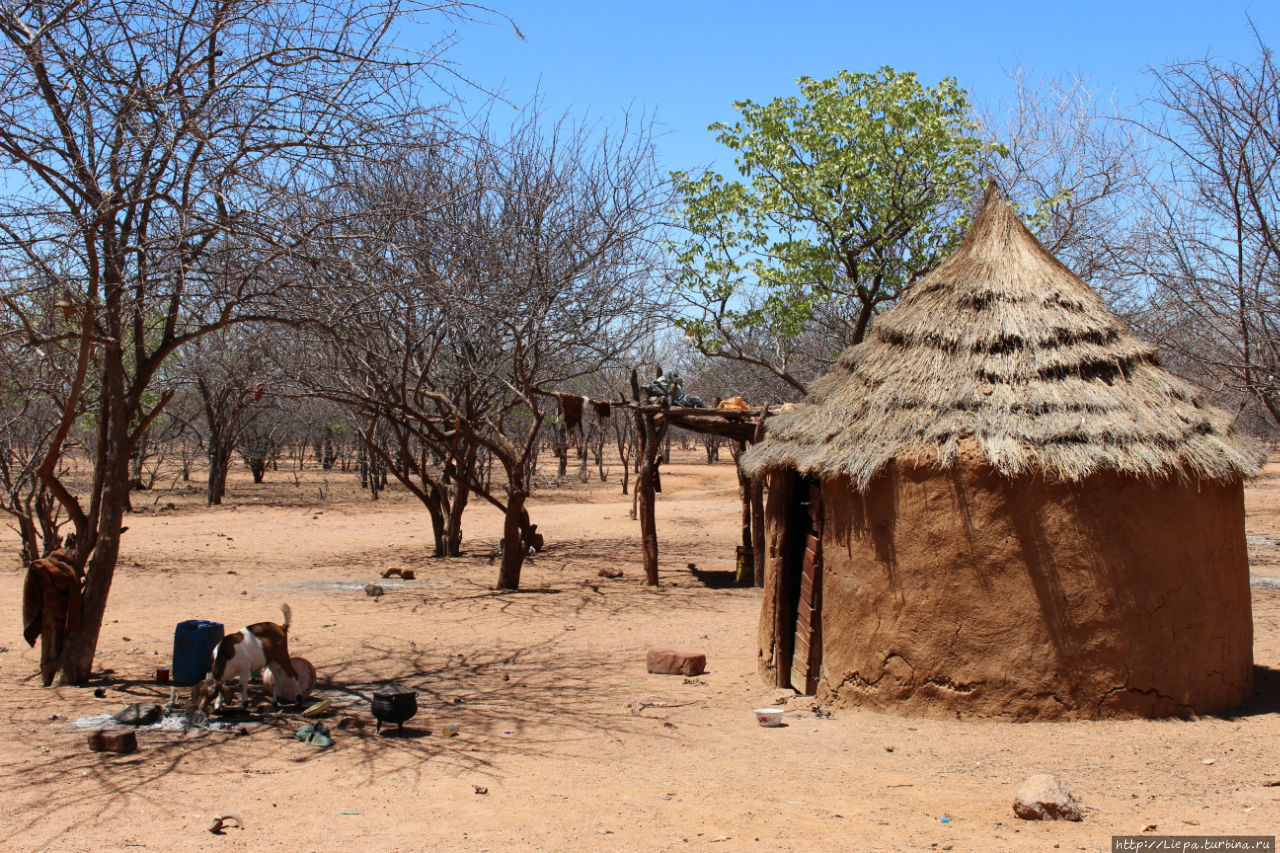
{"points": [[687, 62]]}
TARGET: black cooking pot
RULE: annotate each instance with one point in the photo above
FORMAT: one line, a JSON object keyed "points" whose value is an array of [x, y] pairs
{"points": [[394, 704]]}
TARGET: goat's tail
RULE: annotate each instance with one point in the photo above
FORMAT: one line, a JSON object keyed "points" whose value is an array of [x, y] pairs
{"points": [[288, 616]]}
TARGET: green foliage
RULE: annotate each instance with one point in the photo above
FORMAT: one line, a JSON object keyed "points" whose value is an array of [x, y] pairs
{"points": [[849, 192]]}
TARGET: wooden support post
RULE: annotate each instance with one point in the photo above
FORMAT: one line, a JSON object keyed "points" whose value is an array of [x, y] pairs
{"points": [[650, 428], [746, 571], [777, 639], [758, 554], [757, 509]]}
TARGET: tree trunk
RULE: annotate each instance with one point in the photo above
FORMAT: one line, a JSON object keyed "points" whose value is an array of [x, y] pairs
{"points": [[219, 463], [461, 496], [76, 661], [512, 538], [438, 534], [30, 539], [650, 438]]}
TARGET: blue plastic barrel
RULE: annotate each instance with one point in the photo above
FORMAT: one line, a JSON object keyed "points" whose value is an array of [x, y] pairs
{"points": [[193, 645]]}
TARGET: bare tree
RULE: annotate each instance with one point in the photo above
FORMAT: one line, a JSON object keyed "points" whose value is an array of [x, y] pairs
{"points": [[1216, 249], [1075, 164], [142, 139], [515, 264], [228, 370], [30, 397]]}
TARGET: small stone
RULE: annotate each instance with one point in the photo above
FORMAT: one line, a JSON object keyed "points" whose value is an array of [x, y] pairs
{"points": [[1044, 797], [408, 574], [373, 590], [668, 662], [610, 572], [119, 740]]}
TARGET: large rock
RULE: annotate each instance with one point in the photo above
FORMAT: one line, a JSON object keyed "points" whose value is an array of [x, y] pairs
{"points": [[668, 662], [1044, 797]]}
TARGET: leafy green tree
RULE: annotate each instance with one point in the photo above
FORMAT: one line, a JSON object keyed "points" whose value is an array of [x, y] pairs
{"points": [[848, 194]]}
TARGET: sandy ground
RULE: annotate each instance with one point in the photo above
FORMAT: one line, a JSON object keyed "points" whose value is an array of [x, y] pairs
{"points": [[572, 745]]}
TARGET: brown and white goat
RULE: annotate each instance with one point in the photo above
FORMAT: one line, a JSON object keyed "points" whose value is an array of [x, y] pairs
{"points": [[263, 645]]}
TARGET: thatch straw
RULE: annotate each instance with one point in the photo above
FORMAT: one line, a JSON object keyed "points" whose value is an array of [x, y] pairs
{"points": [[1004, 348]]}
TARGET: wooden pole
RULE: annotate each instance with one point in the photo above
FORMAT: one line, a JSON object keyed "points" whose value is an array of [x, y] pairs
{"points": [[746, 572], [649, 438], [757, 510]]}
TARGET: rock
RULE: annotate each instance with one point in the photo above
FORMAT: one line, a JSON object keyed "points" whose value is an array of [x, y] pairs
{"points": [[668, 662], [408, 574], [1044, 797], [373, 590], [391, 573], [119, 740], [138, 714], [610, 572]]}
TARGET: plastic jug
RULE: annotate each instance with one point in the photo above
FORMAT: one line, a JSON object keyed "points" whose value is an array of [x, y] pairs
{"points": [[193, 643]]}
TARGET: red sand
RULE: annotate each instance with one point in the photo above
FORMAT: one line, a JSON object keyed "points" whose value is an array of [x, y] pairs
{"points": [[575, 744]]}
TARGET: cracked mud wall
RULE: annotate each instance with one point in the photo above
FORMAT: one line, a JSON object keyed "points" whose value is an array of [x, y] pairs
{"points": [[962, 592]]}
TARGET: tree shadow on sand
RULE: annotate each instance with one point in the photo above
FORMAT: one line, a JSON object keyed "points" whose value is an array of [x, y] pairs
{"points": [[528, 700]]}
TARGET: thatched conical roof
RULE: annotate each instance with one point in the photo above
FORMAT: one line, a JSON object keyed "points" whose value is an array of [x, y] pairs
{"points": [[1003, 351]]}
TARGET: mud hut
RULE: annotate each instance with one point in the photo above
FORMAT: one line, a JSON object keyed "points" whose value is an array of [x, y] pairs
{"points": [[1000, 504]]}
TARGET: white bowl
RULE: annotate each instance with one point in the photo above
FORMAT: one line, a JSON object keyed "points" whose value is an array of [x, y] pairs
{"points": [[769, 717]]}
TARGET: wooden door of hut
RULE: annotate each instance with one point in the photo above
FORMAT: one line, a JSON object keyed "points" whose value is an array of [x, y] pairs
{"points": [[806, 659], [797, 594]]}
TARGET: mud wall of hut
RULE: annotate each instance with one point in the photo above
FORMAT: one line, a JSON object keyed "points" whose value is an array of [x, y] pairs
{"points": [[962, 592]]}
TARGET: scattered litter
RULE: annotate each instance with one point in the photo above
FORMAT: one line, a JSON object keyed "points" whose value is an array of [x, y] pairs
{"points": [[316, 734], [480, 789], [450, 730], [219, 822], [945, 820], [639, 703], [348, 812], [1207, 761]]}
